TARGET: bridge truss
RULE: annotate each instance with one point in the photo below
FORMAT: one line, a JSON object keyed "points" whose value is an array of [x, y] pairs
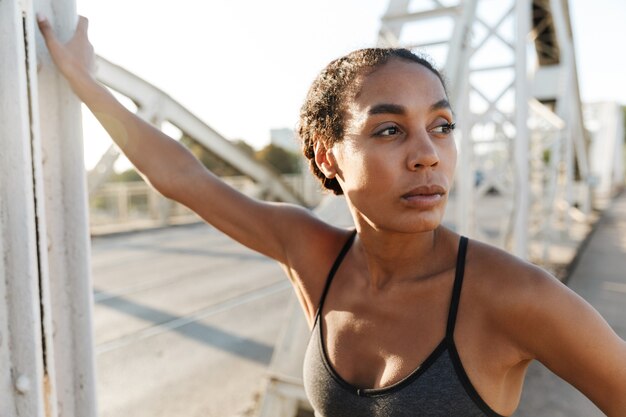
{"points": [[513, 84], [157, 107]]}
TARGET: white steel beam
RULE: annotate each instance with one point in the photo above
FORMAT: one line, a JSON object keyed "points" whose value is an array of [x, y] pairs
{"points": [[22, 374], [522, 133], [389, 34], [103, 169], [66, 214], [571, 98], [493, 117], [422, 15], [166, 108]]}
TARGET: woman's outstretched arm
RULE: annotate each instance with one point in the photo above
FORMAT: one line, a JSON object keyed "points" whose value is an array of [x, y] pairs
{"points": [[170, 167]]}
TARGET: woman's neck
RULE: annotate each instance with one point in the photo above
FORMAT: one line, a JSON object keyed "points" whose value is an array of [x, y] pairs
{"points": [[394, 257]]}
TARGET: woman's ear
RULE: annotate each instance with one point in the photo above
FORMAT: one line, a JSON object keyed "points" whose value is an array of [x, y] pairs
{"points": [[325, 160]]}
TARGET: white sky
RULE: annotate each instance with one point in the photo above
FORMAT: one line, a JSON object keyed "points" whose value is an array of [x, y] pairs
{"points": [[244, 66]]}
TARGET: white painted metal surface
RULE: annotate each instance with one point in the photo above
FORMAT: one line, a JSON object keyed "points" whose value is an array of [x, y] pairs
{"points": [[21, 353], [606, 158], [522, 140], [509, 142], [45, 325], [284, 391], [68, 247]]}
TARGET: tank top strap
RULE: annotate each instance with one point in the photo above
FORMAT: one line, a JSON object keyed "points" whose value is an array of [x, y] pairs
{"points": [[331, 274], [456, 289]]}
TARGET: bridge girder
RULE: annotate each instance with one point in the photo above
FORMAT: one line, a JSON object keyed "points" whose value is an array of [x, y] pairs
{"points": [[511, 110], [156, 107]]}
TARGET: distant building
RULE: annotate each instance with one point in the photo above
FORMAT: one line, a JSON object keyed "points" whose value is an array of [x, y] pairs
{"points": [[605, 123], [286, 139]]}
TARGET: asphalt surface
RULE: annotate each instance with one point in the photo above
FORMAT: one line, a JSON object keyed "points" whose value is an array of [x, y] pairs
{"points": [[185, 323]]}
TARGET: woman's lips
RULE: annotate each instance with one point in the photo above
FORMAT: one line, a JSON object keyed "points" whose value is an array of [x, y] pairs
{"points": [[425, 196]]}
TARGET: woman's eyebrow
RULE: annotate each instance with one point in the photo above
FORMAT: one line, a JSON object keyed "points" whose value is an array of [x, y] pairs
{"points": [[441, 104], [386, 108]]}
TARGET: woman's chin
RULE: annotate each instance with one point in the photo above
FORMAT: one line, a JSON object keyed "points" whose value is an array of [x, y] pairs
{"points": [[422, 224]]}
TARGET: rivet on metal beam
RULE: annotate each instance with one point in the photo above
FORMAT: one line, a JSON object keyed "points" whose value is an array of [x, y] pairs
{"points": [[22, 384]]}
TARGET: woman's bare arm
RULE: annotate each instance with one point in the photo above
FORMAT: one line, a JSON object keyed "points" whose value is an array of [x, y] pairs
{"points": [[170, 167], [560, 329]]}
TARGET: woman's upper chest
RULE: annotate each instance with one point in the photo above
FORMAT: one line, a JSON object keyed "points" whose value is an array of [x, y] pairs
{"points": [[375, 338]]}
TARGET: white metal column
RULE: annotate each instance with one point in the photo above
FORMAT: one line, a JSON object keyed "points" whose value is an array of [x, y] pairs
{"points": [[66, 212], [46, 355], [522, 140], [21, 349]]}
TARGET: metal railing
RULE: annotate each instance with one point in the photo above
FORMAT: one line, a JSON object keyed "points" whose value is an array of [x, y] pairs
{"points": [[125, 206]]}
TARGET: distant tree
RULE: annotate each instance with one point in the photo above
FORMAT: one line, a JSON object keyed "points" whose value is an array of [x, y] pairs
{"points": [[245, 147], [130, 175], [212, 161], [282, 160]]}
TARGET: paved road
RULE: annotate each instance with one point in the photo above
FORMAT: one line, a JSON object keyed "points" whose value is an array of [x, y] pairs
{"points": [[185, 323], [600, 278]]}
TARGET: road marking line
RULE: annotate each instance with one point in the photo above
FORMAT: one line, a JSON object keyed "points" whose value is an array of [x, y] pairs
{"points": [[614, 286], [199, 315]]}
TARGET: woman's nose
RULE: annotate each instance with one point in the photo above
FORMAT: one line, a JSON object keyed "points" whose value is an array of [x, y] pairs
{"points": [[422, 152]]}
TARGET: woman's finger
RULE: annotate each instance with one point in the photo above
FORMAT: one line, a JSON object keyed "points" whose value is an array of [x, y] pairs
{"points": [[44, 26], [83, 24], [46, 30]]}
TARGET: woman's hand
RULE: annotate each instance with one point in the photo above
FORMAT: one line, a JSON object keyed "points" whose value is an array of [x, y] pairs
{"points": [[75, 59]]}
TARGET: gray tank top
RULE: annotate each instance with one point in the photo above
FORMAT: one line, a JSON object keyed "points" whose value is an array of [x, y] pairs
{"points": [[439, 387]]}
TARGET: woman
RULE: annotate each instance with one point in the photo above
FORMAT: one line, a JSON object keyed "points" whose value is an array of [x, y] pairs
{"points": [[417, 321]]}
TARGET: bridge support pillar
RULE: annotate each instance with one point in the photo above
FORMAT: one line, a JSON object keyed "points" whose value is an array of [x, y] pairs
{"points": [[46, 352]]}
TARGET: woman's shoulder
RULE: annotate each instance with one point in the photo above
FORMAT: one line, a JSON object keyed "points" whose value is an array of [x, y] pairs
{"points": [[513, 294], [311, 259], [543, 319], [501, 270], [310, 238]]}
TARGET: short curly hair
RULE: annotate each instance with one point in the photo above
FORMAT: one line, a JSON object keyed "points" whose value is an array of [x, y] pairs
{"points": [[322, 116]]}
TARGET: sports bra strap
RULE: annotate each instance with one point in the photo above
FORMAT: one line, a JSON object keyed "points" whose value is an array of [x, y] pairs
{"points": [[456, 290], [333, 270]]}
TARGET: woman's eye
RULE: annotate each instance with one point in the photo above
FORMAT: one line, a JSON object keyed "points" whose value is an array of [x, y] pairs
{"points": [[444, 128], [388, 131]]}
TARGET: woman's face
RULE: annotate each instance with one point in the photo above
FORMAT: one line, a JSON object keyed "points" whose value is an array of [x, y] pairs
{"points": [[396, 161]]}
